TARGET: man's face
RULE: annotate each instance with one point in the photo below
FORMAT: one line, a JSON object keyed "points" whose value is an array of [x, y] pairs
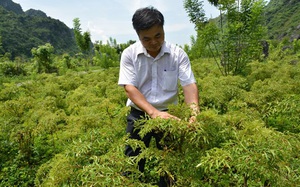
{"points": [[152, 39]]}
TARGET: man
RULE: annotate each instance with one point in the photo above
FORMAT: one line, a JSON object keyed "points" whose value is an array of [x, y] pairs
{"points": [[149, 72]]}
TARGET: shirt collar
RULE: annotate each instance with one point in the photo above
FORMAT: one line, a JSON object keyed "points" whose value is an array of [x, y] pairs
{"points": [[164, 49]]}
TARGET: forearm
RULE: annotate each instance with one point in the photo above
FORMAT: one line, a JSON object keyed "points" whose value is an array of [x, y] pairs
{"points": [[191, 97], [139, 100]]}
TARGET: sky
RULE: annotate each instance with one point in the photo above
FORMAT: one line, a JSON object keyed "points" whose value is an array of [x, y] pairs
{"points": [[112, 18]]}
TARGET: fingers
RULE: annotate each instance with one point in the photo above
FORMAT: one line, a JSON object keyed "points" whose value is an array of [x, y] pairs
{"points": [[174, 117], [192, 119], [165, 115]]}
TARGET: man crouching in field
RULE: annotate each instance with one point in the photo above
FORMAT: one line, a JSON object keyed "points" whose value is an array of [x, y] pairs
{"points": [[149, 72]]}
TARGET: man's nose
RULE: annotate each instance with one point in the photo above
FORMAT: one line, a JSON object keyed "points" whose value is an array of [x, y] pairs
{"points": [[153, 42]]}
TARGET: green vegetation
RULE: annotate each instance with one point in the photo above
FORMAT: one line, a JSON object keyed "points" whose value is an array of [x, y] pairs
{"points": [[63, 117], [22, 31], [234, 39], [282, 19], [83, 40], [67, 129]]}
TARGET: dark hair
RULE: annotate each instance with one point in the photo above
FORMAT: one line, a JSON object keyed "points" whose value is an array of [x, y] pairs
{"points": [[145, 18]]}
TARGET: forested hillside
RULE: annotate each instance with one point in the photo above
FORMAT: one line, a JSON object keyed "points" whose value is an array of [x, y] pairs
{"points": [[283, 19], [21, 31]]}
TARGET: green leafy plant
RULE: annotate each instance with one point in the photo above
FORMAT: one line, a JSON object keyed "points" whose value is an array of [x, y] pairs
{"points": [[69, 129], [43, 56], [12, 69], [83, 40], [106, 55], [236, 39]]}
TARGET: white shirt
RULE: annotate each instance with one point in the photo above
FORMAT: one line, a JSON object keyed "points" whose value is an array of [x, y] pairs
{"points": [[156, 78]]}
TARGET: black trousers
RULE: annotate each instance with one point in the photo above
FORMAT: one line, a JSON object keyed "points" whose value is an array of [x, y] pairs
{"points": [[133, 116]]}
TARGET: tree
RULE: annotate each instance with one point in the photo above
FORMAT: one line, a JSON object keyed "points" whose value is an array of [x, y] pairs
{"points": [[83, 40], [195, 11], [214, 2], [234, 38], [106, 55], [43, 56]]}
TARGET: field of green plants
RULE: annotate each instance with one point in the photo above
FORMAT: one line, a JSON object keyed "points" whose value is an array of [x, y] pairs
{"points": [[66, 126]]}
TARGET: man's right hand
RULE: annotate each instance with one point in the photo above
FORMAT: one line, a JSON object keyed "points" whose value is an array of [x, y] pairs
{"points": [[163, 115]]}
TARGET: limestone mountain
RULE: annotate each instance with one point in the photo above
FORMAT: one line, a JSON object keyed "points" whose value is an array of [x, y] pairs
{"points": [[283, 19], [21, 31], [11, 6]]}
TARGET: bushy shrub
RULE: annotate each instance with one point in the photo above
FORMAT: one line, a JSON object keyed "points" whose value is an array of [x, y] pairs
{"points": [[217, 92], [69, 130], [12, 69], [44, 58], [283, 115]]}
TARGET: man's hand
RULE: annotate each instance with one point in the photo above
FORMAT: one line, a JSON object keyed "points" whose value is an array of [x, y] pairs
{"points": [[192, 119], [140, 101], [163, 115]]}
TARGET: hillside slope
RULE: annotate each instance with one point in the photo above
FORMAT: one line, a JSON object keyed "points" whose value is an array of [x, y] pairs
{"points": [[21, 31], [283, 19]]}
